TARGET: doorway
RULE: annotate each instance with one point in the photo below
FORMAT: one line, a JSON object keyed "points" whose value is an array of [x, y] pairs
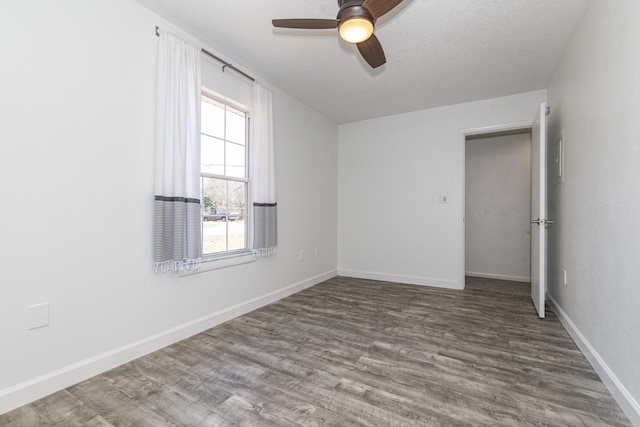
{"points": [[497, 211]]}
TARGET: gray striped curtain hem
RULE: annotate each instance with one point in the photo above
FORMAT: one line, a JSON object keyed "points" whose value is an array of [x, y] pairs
{"points": [[265, 238], [177, 234]]}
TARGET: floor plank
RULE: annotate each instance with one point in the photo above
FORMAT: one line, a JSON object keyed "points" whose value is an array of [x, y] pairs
{"points": [[351, 352]]}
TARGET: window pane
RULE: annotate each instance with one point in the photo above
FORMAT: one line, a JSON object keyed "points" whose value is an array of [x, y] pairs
{"points": [[214, 215], [224, 209], [212, 118], [212, 155], [236, 160], [236, 126], [237, 214], [214, 192]]}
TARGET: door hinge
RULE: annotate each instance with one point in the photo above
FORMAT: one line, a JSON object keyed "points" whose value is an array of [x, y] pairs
{"points": [[541, 221], [547, 111]]}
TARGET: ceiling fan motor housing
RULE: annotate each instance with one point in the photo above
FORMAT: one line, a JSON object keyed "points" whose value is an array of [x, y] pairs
{"points": [[353, 9]]}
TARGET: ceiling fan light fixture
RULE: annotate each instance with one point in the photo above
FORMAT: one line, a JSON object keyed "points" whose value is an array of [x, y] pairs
{"points": [[356, 29]]}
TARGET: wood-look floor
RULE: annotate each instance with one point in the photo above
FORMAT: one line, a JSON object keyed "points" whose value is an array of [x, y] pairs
{"points": [[510, 287], [352, 352]]}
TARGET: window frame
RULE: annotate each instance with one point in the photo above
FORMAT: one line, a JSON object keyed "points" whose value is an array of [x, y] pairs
{"points": [[227, 258]]}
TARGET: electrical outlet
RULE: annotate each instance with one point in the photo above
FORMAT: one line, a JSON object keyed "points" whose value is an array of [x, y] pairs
{"points": [[564, 277], [301, 255]]}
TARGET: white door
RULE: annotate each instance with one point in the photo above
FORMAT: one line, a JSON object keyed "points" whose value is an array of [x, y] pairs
{"points": [[539, 220]]}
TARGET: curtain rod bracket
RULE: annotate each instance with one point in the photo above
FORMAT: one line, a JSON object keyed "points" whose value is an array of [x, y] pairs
{"points": [[157, 31], [225, 66]]}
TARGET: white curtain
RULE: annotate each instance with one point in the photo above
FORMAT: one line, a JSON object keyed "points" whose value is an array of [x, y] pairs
{"points": [[265, 218], [177, 235]]}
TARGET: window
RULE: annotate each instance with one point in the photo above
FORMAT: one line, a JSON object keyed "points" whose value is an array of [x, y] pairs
{"points": [[224, 178]]}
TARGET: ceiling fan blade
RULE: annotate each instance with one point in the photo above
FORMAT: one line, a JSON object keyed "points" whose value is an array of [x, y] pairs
{"points": [[377, 8], [371, 51], [306, 24]]}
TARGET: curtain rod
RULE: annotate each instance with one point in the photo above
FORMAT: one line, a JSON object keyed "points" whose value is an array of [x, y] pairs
{"points": [[225, 64]]}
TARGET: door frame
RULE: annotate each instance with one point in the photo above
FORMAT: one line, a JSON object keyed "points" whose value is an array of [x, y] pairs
{"points": [[462, 148]]}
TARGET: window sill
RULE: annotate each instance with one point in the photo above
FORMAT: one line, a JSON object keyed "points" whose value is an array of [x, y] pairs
{"points": [[222, 262]]}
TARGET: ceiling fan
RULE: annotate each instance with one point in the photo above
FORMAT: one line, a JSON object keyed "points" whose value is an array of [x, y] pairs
{"points": [[355, 22]]}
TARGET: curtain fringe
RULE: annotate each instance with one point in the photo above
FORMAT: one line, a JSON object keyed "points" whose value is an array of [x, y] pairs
{"points": [[264, 251], [176, 266]]}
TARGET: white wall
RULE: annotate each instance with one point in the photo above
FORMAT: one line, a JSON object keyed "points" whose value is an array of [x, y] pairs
{"points": [[76, 178], [595, 96], [498, 207], [393, 170]]}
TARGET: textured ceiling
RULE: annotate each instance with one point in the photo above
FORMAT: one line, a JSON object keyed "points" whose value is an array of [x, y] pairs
{"points": [[439, 52]]}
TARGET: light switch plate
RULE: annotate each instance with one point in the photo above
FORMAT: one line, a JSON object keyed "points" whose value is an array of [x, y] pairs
{"points": [[37, 316], [559, 157]]}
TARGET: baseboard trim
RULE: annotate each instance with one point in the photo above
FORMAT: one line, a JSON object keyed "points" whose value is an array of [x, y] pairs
{"points": [[397, 278], [619, 392], [36, 388], [498, 276]]}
